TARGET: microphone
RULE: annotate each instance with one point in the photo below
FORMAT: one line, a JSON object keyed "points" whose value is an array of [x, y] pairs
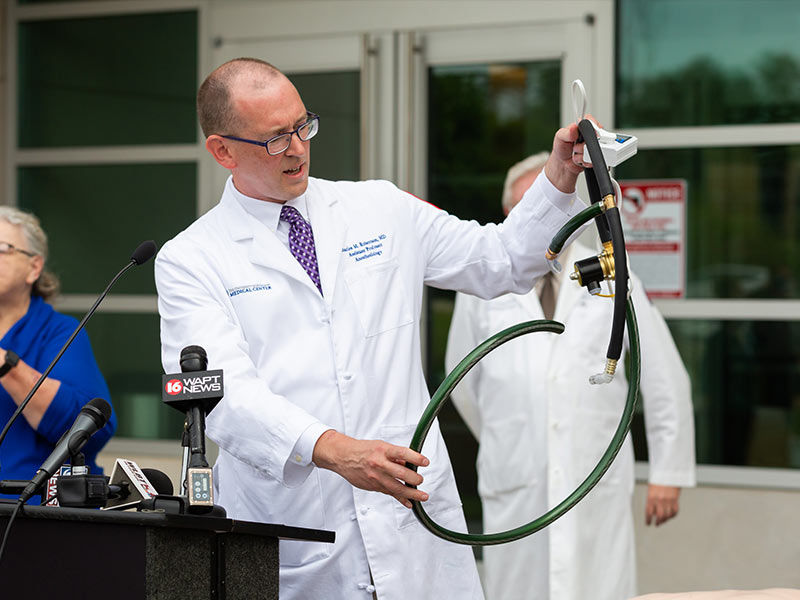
{"points": [[142, 254], [100, 491], [93, 416], [129, 485], [196, 392], [199, 488], [160, 481]]}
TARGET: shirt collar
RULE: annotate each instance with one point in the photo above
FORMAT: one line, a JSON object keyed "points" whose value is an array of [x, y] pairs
{"points": [[268, 213]]}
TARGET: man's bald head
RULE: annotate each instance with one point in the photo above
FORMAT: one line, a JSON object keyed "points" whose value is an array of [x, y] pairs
{"points": [[215, 107]]}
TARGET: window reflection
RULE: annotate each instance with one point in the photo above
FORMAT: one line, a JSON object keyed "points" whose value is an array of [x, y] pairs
{"points": [[101, 81], [97, 215], [707, 62], [743, 214], [746, 391], [335, 96]]}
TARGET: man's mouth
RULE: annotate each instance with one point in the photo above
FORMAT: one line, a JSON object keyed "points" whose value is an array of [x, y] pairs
{"points": [[295, 171]]}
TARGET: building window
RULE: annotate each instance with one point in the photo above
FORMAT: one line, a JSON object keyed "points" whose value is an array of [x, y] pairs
{"points": [[715, 92], [106, 156]]}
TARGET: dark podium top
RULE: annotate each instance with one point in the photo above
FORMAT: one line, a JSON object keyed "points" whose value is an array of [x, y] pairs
{"points": [[84, 553]]}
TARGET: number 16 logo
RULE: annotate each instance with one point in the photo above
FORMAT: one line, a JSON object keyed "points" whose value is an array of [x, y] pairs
{"points": [[174, 387]]}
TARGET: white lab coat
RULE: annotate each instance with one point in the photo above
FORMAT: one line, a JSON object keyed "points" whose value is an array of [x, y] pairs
{"points": [[349, 360], [542, 428]]}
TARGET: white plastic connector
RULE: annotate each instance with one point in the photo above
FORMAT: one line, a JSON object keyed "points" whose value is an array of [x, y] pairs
{"points": [[616, 147], [601, 378], [606, 376], [554, 265]]}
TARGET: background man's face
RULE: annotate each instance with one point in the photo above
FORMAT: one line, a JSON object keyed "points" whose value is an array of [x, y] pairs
{"points": [[521, 185]]}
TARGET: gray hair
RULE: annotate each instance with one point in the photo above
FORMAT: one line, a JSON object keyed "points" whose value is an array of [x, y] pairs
{"points": [[47, 285], [536, 161]]}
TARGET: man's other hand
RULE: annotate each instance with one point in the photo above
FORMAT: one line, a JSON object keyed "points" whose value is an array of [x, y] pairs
{"points": [[372, 465]]}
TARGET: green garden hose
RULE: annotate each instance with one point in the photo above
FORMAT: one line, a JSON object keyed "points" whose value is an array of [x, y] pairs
{"points": [[450, 382], [606, 214]]}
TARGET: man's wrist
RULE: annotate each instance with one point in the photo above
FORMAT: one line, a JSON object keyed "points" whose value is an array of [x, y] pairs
{"points": [[562, 179], [320, 455]]}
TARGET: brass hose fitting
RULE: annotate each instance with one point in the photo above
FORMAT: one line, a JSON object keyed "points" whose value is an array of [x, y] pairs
{"points": [[606, 259]]}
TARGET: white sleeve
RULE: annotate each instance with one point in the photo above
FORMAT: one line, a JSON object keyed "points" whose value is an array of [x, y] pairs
{"points": [[462, 338], [256, 426], [667, 398], [490, 260]]}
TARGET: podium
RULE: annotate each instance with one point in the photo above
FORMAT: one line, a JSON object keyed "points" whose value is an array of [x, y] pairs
{"points": [[78, 553]]}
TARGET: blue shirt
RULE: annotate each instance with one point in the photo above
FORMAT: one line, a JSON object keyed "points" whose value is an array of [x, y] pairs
{"points": [[37, 338]]}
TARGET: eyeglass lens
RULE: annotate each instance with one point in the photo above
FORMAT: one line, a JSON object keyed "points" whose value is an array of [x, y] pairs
{"points": [[6, 248], [305, 132]]}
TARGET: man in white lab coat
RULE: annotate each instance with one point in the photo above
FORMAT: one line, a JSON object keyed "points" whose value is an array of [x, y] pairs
{"points": [[542, 428], [308, 294]]}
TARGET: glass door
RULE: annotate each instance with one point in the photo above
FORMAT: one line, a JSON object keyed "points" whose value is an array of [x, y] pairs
{"points": [[485, 99]]}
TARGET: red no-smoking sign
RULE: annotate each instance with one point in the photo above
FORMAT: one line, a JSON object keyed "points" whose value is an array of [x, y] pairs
{"points": [[654, 221]]}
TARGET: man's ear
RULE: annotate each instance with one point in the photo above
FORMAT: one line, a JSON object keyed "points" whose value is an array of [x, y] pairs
{"points": [[218, 148]]}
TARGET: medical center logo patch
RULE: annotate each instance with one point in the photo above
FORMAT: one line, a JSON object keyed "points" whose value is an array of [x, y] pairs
{"points": [[246, 289]]}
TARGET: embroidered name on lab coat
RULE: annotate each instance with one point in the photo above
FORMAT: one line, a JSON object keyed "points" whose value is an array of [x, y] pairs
{"points": [[245, 289], [367, 249]]}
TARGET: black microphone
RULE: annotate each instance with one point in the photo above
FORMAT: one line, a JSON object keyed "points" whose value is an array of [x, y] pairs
{"points": [[193, 360], [95, 491], [93, 416], [160, 480], [198, 475], [142, 254], [195, 391]]}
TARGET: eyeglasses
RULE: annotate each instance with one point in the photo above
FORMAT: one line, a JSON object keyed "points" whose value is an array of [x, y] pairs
{"points": [[279, 143], [6, 248]]}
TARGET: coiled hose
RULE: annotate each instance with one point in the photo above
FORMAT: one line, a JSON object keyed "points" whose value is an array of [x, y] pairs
{"points": [[609, 225]]}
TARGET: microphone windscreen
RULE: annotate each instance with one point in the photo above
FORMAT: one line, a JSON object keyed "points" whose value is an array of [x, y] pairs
{"points": [[143, 252], [160, 481], [193, 358], [102, 406]]}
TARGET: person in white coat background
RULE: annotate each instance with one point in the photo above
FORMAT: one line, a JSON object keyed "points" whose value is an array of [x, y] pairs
{"points": [[542, 427], [308, 295]]}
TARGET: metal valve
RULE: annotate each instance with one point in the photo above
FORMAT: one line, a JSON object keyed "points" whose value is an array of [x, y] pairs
{"points": [[590, 272]]}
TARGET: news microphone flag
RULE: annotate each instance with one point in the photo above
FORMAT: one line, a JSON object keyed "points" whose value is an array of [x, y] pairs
{"points": [[128, 472], [182, 390]]}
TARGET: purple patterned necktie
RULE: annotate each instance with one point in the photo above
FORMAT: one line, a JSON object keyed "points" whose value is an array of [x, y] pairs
{"points": [[301, 243]]}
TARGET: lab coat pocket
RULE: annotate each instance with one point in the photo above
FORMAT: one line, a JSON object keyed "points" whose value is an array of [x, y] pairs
{"points": [[249, 496], [505, 461], [307, 510], [379, 296], [439, 481]]}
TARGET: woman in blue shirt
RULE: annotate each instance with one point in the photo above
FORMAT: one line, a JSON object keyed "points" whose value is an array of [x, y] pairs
{"points": [[31, 334]]}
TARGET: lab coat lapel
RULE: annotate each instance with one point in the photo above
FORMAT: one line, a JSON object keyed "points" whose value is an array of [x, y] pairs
{"points": [[265, 249], [330, 231]]}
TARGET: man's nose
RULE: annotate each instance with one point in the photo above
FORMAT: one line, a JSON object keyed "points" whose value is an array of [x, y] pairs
{"points": [[296, 146]]}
